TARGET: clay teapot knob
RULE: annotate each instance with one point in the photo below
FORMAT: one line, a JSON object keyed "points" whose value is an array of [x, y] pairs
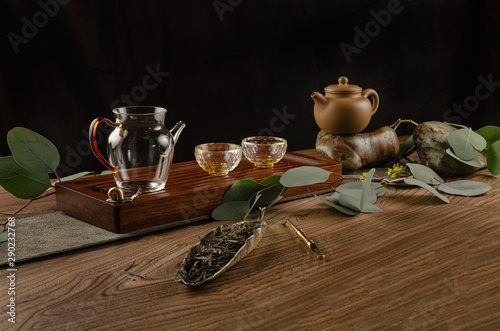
{"points": [[343, 80]]}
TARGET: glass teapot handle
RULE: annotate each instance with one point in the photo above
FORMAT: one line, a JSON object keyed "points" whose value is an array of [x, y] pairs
{"points": [[93, 144]]}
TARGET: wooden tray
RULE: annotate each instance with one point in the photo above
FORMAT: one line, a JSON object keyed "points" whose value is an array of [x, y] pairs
{"points": [[190, 194]]}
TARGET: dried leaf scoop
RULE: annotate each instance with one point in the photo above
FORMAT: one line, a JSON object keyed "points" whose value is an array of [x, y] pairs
{"points": [[220, 249]]}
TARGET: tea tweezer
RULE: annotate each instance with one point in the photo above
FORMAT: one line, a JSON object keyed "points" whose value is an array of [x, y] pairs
{"points": [[310, 244]]}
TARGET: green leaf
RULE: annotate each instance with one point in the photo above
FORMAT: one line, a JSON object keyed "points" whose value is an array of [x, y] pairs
{"points": [[77, 175], [257, 197], [242, 190], [466, 188], [4, 236], [413, 181], [274, 179], [33, 151], [334, 197], [274, 201], [493, 158], [366, 187], [303, 176], [356, 189], [406, 146], [473, 162], [233, 210], [271, 189], [355, 203], [340, 208], [490, 133], [466, 144], [106, 172], [424, 174], [20, 182]]}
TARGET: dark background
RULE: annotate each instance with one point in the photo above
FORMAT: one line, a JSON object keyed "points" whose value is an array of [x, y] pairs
{"points": [[233, 69]]}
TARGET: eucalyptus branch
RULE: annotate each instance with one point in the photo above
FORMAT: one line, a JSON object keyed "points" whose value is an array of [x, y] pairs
{"points": [[458, 125], [399, 121], [20, 209]]}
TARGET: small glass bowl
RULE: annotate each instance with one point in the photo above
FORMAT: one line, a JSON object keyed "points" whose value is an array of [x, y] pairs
{"points": [[218, 158], [264, 151]]}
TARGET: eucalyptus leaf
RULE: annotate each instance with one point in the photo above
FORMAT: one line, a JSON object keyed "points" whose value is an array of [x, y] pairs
{"points": [[106, 172], [20, 182], [4, 236], [466, 188], [473, 162], [303, 176], [233, 210], [340, 208], [242, 190], [33, 151], [274, 201], [413, 181], [424, 174], [493, 158], [366, 187], [354, 203], [75, 176], [356, 189], [466, 144], [334, 197], [271, 189], [406, 146], [257, 197], [274, 179], [490, 133]]}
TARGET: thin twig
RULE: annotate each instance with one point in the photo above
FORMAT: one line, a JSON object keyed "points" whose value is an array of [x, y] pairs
{"points": [[138, 275]]}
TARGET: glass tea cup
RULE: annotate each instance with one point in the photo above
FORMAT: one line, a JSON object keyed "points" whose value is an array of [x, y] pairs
{"points": [[218, 158], [264, 151]]}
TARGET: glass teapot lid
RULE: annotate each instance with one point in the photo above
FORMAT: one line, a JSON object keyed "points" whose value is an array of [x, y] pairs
{"points": [[343, 87]]}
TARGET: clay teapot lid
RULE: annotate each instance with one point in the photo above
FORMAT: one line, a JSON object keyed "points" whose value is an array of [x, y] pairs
{"points": [[343, 87]]}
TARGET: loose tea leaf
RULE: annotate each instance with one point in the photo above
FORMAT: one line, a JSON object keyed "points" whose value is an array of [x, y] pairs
{"points": [[219, 250]]}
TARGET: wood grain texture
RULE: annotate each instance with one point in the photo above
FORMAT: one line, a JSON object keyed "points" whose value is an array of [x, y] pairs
{"points": [[419, 265], [190, 193]]}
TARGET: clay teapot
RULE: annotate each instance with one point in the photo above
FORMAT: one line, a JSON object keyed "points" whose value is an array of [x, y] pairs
{"points": [[344, 109]]}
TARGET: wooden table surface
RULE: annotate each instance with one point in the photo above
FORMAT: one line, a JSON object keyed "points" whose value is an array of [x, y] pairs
{"points": [[419, 265]]}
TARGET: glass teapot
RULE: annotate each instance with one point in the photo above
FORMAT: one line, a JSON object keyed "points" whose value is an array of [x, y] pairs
{"points": [[140, 148]]}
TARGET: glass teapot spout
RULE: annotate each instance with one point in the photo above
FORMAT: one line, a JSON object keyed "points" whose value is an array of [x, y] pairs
{"points": [[177, 129]]}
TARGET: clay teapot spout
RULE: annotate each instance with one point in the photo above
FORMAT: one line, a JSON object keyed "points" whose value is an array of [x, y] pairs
{"points": [[319, 99]]}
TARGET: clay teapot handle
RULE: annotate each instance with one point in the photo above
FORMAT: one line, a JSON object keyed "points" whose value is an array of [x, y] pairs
{"points": [[371, 92]]}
